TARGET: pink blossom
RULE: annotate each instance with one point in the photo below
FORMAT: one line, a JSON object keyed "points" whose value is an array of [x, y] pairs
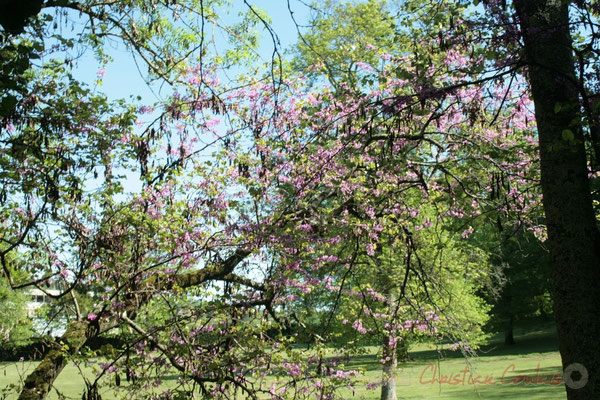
{"points": [[370, 249], [467, 232], [357, 325]]}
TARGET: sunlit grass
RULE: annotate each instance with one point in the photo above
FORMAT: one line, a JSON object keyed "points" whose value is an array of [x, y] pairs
{"points": [[534, 354]]}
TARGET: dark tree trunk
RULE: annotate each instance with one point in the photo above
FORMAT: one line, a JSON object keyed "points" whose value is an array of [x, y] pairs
{"points": [[509, 338], [572, 230]]}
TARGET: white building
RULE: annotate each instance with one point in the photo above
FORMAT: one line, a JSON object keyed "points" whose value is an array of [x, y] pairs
{"points": [[38, 298]]}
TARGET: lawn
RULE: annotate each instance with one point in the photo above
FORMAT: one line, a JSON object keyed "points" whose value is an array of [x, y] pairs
{"points": [[531, 362], [534, 355]]}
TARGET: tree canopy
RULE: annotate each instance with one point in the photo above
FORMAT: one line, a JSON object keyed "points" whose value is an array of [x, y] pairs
{"points": [[361, 178]]}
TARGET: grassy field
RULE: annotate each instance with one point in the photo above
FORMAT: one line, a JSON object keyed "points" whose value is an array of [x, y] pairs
{"points": [[535, 354], [531, 362]]}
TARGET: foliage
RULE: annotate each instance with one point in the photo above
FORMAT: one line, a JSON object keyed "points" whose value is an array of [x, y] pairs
{"points": [[15, 325], [342, 37], [255, 200], [526, 292]]}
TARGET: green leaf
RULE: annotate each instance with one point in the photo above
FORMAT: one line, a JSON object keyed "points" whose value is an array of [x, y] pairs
{"points": [[568, 135], [557, 108], [7, 105]]}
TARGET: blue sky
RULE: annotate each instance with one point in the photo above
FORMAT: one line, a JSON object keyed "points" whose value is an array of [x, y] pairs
{"points": [[122, 79]]}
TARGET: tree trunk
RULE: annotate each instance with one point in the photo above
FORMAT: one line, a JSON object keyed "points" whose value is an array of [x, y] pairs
{"points": [[388, 386], [39, 383], [573, 238], [509, 338]]}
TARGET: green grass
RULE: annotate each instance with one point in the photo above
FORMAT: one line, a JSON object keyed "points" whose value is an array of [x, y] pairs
{"points": [[535, 353], [69, 382]]}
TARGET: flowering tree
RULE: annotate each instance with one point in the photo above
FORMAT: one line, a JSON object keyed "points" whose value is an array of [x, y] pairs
{"points": [[248, 201], [522, 37], [353, 47]]}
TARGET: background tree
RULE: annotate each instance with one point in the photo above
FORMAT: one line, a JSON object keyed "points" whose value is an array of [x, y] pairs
{"points": [[15, 324], [525, 293], [342, 36]]}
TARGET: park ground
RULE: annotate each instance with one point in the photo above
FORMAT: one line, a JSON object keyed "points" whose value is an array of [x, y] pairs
{"points": [[530, 369]]}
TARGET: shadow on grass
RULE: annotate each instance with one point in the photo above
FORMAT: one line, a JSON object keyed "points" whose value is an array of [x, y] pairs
{"points": [[532, 372], [538, 342], [541, 340]]}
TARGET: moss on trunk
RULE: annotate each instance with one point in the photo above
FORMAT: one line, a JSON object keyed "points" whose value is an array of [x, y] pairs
{"points": [[39, 383]]}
